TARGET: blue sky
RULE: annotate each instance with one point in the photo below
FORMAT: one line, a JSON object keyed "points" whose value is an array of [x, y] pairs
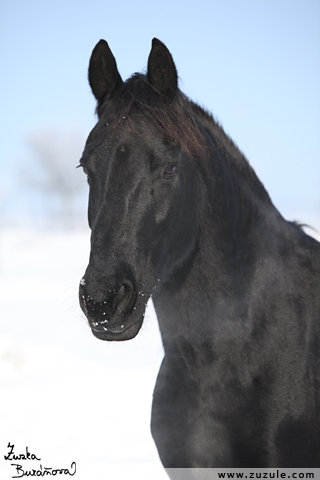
{"points": [[254, 64]]}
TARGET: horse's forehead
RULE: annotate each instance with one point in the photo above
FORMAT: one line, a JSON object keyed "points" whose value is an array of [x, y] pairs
{"points": [[100, 134], [129, 135], [106, 147]]}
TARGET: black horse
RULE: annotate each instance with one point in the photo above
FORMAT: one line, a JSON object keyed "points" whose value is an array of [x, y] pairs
{"points": [[177, 213]]}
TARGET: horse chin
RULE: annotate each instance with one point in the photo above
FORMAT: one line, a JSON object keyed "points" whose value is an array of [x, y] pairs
{"points": [[118, 334]]}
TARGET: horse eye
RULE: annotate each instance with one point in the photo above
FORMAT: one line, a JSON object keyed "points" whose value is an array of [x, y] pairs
{"points": [[85, 171], [83, 168], [169, 171]]}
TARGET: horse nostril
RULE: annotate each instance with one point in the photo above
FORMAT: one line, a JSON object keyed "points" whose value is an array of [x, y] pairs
{"points": [[124, 298]]}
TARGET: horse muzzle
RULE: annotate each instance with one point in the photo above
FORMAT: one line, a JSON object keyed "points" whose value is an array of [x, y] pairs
{"points": [[119, 316]]}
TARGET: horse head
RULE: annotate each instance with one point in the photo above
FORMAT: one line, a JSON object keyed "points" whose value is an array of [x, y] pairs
{"points": [[145, 192]]}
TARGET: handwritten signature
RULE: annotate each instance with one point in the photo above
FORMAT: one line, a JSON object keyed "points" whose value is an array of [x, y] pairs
{"points": [[34, 472]]}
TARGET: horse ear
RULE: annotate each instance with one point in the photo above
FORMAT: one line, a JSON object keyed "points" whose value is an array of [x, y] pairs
{"points": [[103, 74], [162, 72]]}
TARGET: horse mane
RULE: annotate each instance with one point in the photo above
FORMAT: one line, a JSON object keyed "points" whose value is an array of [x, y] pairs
{"points": [[181, 121], [174, 120], [238, 163], [178, 121]]}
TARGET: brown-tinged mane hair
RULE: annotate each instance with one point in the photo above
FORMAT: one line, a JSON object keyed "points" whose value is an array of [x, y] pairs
{"points": [[180, 121], [175, 120]]}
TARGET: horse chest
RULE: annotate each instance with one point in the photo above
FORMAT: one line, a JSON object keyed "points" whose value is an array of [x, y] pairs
{"points": [[200, 419]]}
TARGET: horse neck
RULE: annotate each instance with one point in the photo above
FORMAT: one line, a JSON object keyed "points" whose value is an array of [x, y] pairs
{"points": [[202, 298]]}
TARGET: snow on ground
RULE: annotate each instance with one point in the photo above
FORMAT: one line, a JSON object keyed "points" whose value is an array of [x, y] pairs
{"points": [[64, 394]]}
